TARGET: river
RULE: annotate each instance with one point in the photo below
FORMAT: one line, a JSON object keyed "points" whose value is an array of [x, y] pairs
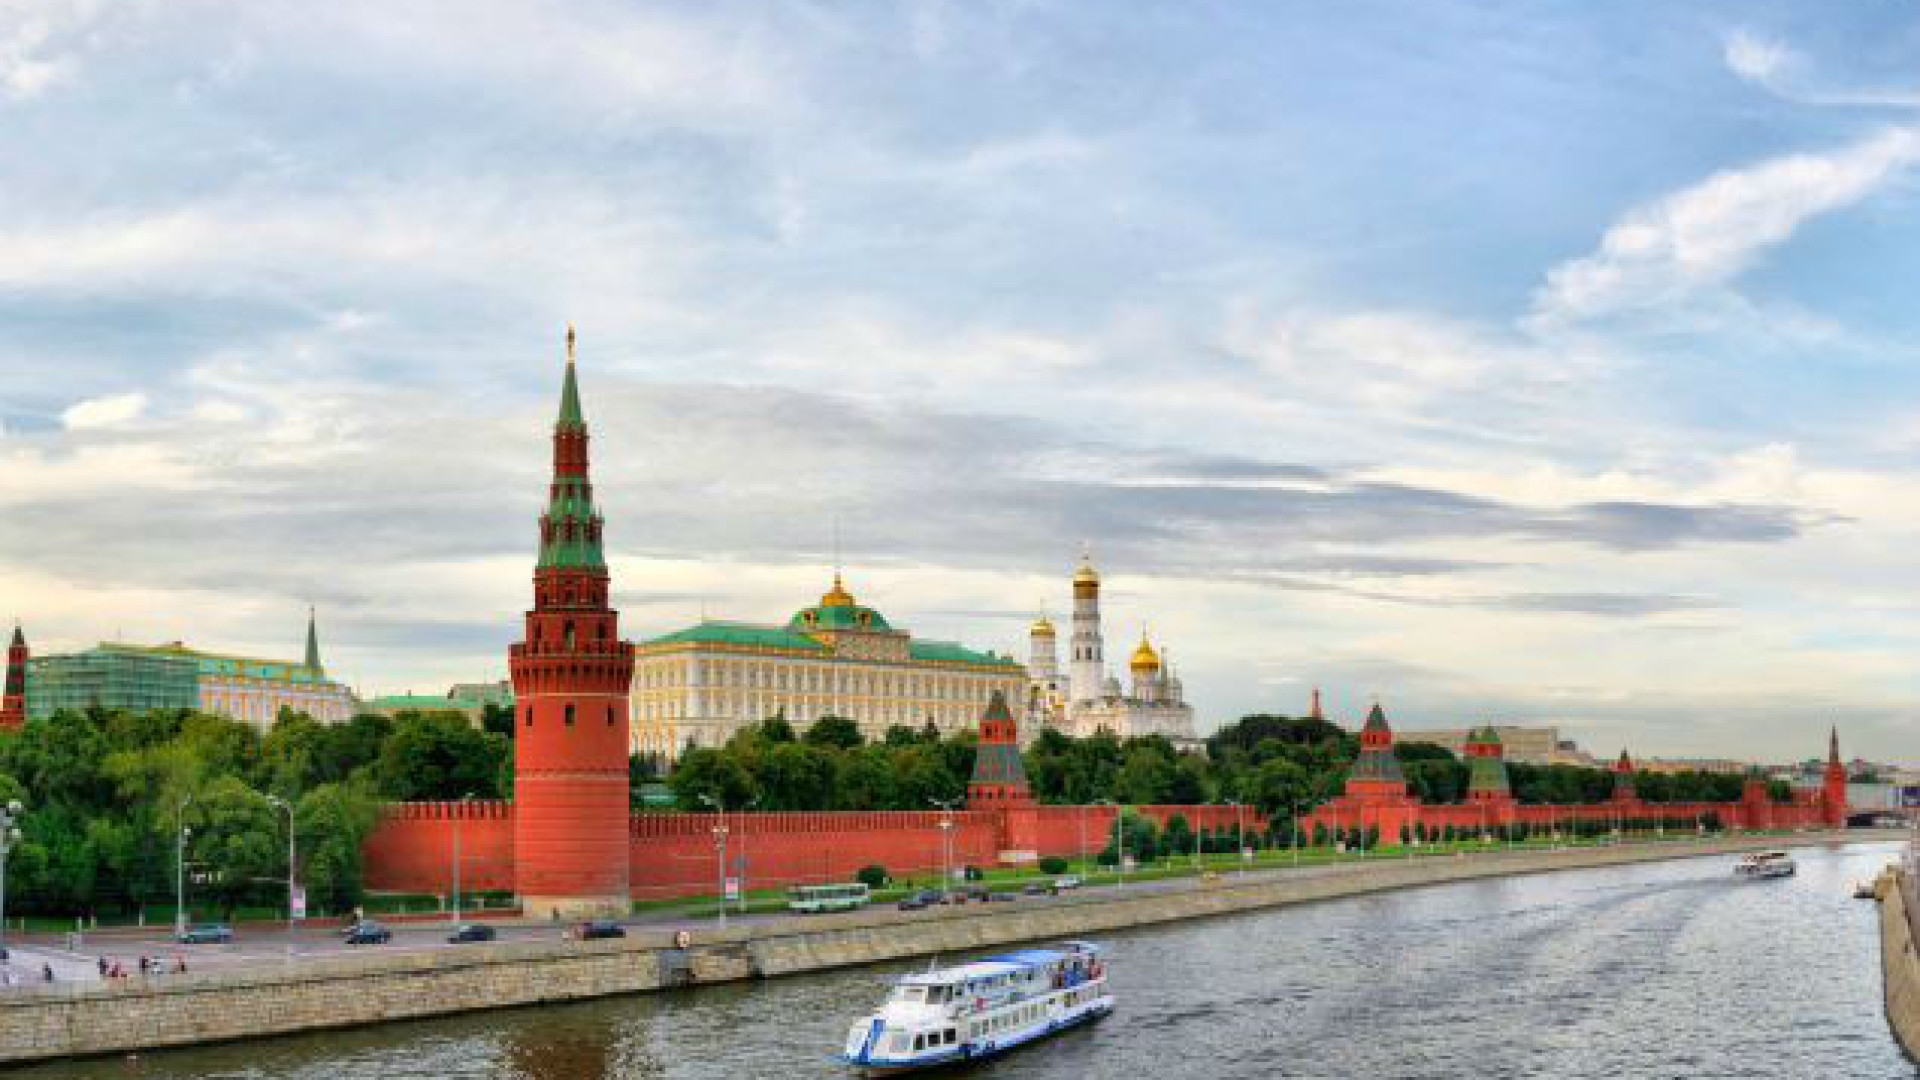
{"points": [[1667, 969]]}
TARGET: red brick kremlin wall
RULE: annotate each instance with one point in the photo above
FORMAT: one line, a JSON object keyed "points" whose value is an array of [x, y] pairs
{"points": [[411, 850]]}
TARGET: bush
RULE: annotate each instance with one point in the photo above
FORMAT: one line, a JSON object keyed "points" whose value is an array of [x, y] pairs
{"points": [[974, 873], [872, 876], [1053, 864]]}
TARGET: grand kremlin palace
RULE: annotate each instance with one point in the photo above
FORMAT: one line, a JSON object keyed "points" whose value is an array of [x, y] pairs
{"points": [[700, 685]]}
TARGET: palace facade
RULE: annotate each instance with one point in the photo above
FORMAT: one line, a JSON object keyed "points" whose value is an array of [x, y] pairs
{"points": [[700, 685]]}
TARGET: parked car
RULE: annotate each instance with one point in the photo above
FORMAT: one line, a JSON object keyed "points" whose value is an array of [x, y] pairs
{"points": [[368, 933], [471, 932], [1068, 882], [1003, 896], [1036, 888], [600, 928], [912, 903], [205, 934]]}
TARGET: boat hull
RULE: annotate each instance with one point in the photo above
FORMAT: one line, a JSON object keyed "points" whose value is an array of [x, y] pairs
{"points": [[989, 1049]]}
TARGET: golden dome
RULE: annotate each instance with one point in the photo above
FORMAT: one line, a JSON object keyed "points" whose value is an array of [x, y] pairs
{"points": [[837, 596], [1041, 627], [1086, 575], [1144, 658]]}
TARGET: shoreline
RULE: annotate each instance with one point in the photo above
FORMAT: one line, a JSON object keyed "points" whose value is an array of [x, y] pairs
{"points": [[88, 1020]]}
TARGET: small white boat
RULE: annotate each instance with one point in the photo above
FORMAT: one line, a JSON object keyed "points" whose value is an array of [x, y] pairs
{"points": [[1765, 864], [981, 1009]]}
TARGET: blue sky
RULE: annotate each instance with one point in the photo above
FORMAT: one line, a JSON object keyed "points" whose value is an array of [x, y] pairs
{"points": [[1545, 363]]}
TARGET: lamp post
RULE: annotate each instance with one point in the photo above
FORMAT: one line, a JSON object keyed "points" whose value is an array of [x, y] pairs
{"points": [[751, 803], [1239, 836], [181, 834], [720, 852], [946, 846], [1119, 841], [459, 811], [287, 805], [9, 836]]}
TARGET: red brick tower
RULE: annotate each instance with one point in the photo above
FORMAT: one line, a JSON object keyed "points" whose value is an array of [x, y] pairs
{"points": [[999, 783], [1623, 779], [570, 682], [1376, 772], [13, 706], [1833, 785]]}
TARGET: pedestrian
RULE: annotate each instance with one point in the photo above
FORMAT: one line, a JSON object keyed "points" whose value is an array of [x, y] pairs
{"points": [[46, 972], [179, 965], [103, 967]]}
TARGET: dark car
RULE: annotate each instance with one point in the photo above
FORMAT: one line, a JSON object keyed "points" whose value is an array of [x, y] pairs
{"points": [[601, 928], [1036, 888], [368, 933], [471, 932], [1003, 896], [912, 903], [205, 934]]}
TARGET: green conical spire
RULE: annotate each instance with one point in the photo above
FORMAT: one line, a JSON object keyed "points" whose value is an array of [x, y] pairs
{"points": [[570, 392], [313, 642]]}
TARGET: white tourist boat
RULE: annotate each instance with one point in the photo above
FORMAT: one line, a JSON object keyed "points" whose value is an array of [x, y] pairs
{"points": [[1765, 864], [981, 1009]]}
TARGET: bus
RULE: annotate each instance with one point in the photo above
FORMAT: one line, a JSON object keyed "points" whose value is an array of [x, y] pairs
{"points": [[811, 898]]}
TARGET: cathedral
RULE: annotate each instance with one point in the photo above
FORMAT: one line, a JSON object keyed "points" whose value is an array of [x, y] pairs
{"points": [[1089, 697]]}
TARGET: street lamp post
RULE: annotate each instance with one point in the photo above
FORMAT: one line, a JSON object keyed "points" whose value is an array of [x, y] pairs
{"points": [[720, 852], [292, 852], [1239, 836], [181, 834], [946, 846], [459, 812], [9, 836]]}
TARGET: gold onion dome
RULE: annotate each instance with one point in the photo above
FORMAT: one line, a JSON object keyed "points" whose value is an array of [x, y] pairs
{"points": [[1144, 658], [1041, 627], [838, 596], [1086, 575]]}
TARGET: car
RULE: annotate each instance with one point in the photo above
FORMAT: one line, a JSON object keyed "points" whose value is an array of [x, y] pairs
{"points": [[466, 932], [205, 934], [1036, 888], [368, 933], [912, 903], [1068, 882], [1002, 897], [600, 928]]}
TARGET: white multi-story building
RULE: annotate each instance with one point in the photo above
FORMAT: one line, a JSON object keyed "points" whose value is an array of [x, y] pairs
{"points": [[700, 685], [1091, 699]]}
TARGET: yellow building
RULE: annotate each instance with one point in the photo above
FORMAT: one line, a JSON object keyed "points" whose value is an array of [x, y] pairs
{"points": [[700, 685]]}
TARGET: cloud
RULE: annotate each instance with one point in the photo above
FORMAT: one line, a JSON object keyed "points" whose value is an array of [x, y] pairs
{"points": [[104, 412], [32, 36], [1704, 234], [1757, 59]]}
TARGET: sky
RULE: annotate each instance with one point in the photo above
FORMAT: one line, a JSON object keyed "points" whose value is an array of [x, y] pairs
{"points": [[1546, 363]]}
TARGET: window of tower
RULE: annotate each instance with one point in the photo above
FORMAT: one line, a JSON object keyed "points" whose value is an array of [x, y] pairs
{"points": [[567, 634], [609, 716], [529, 716], [569, 715]]}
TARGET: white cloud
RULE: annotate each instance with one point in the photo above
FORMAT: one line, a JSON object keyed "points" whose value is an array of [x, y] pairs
{"points": [[1756, 59], [31, 36], [1705, 234], [104, 412]]}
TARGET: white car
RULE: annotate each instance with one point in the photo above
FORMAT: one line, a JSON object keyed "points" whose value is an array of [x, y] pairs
{"points": [[1068, 882]]}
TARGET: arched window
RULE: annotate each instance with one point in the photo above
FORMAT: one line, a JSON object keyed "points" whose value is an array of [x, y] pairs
{"points": [[609, 716], [567, 634], [529, 716], [569, 715]]}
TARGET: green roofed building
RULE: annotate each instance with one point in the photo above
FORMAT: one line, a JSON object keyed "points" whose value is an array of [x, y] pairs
{"points": [[701, 684], [172, 676], [468, 699]]}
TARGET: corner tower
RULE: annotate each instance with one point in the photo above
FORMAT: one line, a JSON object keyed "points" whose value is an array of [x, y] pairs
{"points": [[570, 680], [1833, 785], [13, 705]]}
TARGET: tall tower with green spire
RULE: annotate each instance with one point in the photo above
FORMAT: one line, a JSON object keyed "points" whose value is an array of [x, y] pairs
{"points": [[313, 646], [571, 675], [13, 703]]}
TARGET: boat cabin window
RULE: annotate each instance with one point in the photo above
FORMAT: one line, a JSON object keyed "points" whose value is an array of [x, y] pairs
{"points": [[913, 993]]}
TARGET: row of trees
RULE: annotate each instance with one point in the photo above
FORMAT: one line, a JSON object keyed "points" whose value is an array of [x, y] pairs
{"points": [[109, 792]]}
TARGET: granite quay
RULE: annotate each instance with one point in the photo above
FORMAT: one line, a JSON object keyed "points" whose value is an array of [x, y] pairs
{"points": [[1899, 933]]}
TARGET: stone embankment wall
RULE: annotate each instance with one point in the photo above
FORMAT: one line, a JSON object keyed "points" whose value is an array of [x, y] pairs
{"points": [[343, 991], [1899, 920]]}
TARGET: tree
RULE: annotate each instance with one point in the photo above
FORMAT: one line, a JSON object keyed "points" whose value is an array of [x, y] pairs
{"points": [[439, 756], [836, 732], [1178, 837], [872, 875], [237, 847], [333, 822]]}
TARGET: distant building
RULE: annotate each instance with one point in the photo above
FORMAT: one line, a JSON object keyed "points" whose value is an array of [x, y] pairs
{"points": [[1090, 699], [13, 703], [1526, 745], [468, 699], [700, 685], [1719, 766], [172, 676]]}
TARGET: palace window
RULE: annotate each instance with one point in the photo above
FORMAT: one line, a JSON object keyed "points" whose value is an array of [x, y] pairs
{"points": [[569, 715]]}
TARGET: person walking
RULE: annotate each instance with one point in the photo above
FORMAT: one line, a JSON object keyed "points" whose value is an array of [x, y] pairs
{"points": [[46, 972]]}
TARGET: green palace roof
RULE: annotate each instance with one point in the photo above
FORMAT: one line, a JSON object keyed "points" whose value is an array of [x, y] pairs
{"points": [[837, 610], [737, 633], [216, 664]]}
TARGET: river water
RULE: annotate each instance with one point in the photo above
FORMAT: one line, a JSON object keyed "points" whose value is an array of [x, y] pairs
{"points": [[1667, 969]]}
